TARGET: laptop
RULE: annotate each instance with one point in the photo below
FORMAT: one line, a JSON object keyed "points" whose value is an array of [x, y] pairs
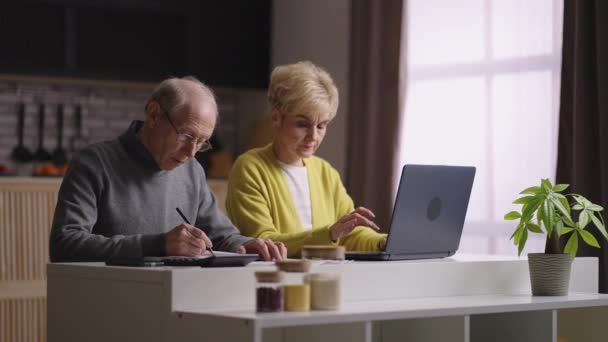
{"points": [[428, 215]]}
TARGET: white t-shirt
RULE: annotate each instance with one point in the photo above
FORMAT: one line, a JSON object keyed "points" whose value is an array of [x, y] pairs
{"points": [[297, 181]]}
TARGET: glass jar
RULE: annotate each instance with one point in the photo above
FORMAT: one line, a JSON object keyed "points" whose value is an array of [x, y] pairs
{"points": [[297, 297], [325, 291], [269, 291], [323, 252], [296, 289]]}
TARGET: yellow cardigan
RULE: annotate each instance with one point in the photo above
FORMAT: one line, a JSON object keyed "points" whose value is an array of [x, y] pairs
{"points": [[259, 203]]}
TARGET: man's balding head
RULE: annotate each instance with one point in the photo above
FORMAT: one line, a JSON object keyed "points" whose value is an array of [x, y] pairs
{"points": [[174, 93], [181, 114]]}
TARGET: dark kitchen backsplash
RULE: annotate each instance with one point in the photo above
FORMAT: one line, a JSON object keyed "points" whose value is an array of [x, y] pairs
{"points": [[106, 112]]}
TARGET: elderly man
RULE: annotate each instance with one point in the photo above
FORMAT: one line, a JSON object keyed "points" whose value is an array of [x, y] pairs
{"points": [[118, 198]]}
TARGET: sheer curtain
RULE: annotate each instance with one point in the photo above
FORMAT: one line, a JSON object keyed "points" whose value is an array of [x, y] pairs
{"points": [[483, 80]]}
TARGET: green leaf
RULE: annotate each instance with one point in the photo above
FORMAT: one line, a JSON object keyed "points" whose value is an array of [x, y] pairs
{"points": [[512, 215], [559, 226], [577, 207], [560, 187], [599, 225], [561, 197], [585, 201], [565, 212], [543, 215], [522, 241], [595, 207], [517, 234], [534, 228], [546, 185], [566, 230], [563, 200], [579, 199], [589, 238], [583, 218], [523, 200], [530, 207], [572, 244], [566, 205], [533, 190]]}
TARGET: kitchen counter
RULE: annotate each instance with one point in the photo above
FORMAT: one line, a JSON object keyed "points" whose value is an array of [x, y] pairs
{"points": [[461, 298]]}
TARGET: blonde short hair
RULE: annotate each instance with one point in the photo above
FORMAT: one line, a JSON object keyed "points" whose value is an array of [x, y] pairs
{"points": [[302, 88]]}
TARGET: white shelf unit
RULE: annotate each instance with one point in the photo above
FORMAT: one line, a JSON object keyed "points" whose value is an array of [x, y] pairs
{"points": [[455, 299]]}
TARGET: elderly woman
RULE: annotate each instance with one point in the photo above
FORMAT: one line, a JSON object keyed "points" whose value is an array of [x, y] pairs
{"points": [[282, 191]]}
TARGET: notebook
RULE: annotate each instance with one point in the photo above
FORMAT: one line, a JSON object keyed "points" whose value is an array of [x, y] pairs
{"points": [[428, 214], [221, 259]]}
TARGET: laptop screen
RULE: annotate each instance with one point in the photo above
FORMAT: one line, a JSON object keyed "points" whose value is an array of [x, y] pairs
{"points": [[430, 209]]}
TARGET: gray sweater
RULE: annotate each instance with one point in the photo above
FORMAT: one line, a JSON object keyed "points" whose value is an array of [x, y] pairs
{"points": [[115, 201]]}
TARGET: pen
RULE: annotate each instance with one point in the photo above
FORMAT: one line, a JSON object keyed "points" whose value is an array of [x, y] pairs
{"points": [[188, 222]]}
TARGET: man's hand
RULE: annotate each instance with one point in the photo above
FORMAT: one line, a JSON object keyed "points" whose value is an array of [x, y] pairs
{"points": [[186, 240], [359, 217], [265, 248]]}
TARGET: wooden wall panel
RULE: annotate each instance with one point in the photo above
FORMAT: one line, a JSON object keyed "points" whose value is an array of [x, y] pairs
{"points": [[26, 213], [23, 319]]}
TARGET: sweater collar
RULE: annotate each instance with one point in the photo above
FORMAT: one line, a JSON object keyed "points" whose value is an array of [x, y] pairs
{"points": [[135, 149]]}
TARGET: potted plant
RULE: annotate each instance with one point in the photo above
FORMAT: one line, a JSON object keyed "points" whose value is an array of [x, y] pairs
{"points": [[546, 209]]}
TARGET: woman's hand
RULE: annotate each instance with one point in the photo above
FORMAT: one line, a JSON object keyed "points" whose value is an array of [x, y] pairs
{"points": [[359, 217]]}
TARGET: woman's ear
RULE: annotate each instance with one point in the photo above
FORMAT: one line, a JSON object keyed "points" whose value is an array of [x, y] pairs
{"points": [[276, 118]]}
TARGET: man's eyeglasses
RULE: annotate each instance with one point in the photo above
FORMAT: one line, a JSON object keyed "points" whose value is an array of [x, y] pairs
{"points": [[202, 145]]}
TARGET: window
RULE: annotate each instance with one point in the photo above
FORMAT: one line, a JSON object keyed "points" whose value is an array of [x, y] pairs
{"points": [[482, 88]]}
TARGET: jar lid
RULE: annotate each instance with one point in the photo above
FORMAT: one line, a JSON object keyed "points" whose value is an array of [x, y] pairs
{"points": [[323, 252], [324, 276], [269, 276], [293, 265]]}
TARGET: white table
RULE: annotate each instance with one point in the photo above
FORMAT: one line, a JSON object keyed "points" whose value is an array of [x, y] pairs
{"points": [[463, 298]]}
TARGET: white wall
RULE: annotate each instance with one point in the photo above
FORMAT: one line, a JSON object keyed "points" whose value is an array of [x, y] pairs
{"points": [[319, 31]]}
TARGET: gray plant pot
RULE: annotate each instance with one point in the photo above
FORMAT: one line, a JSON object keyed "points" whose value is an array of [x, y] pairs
{"points": [[549, 273]]}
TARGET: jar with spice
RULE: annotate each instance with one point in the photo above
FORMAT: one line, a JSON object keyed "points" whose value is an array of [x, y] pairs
{"points": [[324, 252], [296, 289], [269, 291], [325, 291]]}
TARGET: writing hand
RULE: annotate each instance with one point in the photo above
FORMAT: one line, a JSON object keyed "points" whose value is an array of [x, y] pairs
{"points": [[186, 240]]}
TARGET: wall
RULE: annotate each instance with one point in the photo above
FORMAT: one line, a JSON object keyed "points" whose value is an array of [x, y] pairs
{"points": [[107, 111], [319, 31], [315, 30]]}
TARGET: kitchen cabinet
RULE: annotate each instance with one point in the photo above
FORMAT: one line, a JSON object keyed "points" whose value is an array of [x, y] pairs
{"points": [[224, 43]]}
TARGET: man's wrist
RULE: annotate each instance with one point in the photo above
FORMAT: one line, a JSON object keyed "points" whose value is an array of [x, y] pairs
{"points": [[153, 245]]}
